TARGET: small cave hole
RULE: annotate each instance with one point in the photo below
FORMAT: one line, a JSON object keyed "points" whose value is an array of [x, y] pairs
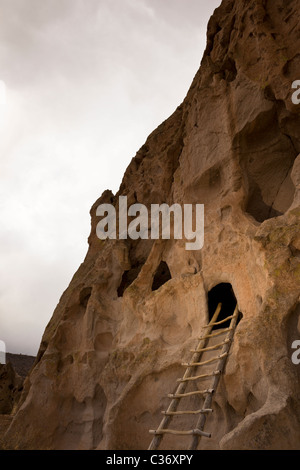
{"points": [[222, 293], [258, 208], [161, 276], [84, 296], [127, 278]]}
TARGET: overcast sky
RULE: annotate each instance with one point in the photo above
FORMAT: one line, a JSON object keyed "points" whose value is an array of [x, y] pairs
{"points": [[82, 85]]}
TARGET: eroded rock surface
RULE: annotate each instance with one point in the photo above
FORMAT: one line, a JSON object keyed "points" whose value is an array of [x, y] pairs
{"points": [[10, 388], [113, 348]]}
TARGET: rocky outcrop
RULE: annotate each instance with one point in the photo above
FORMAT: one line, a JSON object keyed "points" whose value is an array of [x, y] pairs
{"points": [[21, 363], [10, 388], [113, 348]]}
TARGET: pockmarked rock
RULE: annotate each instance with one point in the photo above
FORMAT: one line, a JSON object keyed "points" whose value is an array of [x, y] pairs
{"points": [[114, 346]]}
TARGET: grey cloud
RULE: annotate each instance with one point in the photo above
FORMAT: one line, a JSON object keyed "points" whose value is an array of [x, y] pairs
{"points": [[87, 81]]}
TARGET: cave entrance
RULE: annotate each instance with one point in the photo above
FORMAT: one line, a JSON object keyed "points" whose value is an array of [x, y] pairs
{"points": [[127, 279], [161, 276], [221, 293]]}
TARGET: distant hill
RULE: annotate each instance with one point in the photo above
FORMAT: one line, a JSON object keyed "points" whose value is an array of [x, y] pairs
{"points": [[21, 363]]}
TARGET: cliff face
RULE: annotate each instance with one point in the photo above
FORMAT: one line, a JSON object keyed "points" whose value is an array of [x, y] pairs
{"points": [[10, 387], [113, 348]]}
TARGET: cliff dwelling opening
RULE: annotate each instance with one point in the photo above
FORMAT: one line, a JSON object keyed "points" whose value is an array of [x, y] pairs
{"points": [[267, 156], [138, 253], [127, 278], [84, 296], [221, 293], [256, 205], [161, 276]]}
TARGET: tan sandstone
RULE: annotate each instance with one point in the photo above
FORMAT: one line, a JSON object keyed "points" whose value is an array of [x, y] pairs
{"points": [[113, 348]]}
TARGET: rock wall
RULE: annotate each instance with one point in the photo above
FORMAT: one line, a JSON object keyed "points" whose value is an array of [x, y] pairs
{"points": [[114, 346], [10, 388]]}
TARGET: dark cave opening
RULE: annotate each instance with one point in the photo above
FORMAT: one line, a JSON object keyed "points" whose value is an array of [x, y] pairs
{"points": [[267, 157], [84, 296], [138, 251], [127, 278], [222, 293], [161, 276]]}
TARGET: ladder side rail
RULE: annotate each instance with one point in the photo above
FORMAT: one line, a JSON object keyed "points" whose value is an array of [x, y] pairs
{"points": [[208, 400], [183, 385]]}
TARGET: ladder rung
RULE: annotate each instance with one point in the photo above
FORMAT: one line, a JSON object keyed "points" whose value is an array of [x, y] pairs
{"points": [[197, 364], [192, 432], [215, 372], [218, 322], [189, 394], [196, 412], [211, 348], [216, 334], [180, 392]]}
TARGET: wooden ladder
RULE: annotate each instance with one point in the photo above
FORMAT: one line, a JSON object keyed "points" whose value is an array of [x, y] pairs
{"points": [[190, 376]]}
